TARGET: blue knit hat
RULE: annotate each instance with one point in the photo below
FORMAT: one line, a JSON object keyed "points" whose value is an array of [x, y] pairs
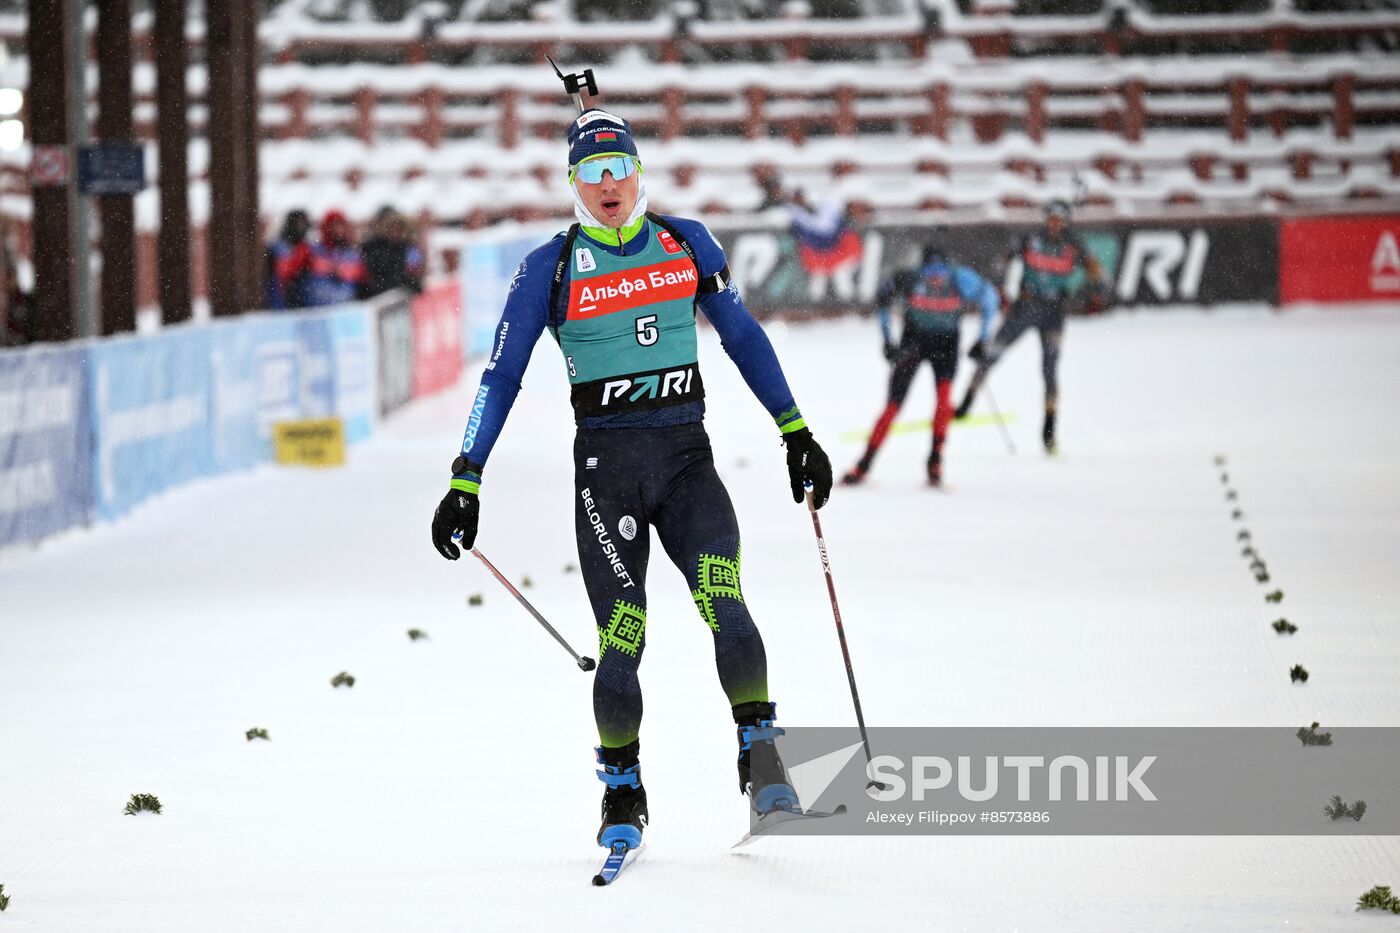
{"points": [[595, 132]]}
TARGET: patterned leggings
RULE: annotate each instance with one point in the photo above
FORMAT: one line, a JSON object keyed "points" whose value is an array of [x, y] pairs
{"points": [[625, 480]]}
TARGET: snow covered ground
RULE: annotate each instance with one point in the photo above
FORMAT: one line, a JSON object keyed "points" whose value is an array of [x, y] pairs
{"points": [[452, 787]]}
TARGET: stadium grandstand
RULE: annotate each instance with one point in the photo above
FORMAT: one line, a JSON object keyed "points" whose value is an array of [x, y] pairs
{"points": [[971, 110]]}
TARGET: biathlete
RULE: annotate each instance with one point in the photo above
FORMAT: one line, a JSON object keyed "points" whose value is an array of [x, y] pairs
{"points": [[932, 298], [1045, 261], [618, 292]]}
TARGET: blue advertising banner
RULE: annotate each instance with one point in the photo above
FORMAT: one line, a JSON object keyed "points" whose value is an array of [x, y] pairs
{"points": [[45, 443], [355, 377], [151, 415], [486, 271], [255, 383], [316, 366]]}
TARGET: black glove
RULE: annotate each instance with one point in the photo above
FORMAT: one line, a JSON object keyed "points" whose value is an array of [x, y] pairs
{"points": [[978, 351], [891, 351], [456, 514], [807, 463]]}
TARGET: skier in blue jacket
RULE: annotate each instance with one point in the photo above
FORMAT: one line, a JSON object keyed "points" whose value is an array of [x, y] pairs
{"points": [[931, 298], [618, 292]]}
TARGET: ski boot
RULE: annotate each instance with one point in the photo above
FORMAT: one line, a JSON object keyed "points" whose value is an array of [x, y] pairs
{"points": [[935, 468], [1047, 432], [761, 773], [965, 405], [856, 475], [625, 800]]}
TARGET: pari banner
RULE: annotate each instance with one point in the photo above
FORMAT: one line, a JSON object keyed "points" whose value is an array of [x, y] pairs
{"points": [[1093, 781], [45, 443], [1202, 262]]}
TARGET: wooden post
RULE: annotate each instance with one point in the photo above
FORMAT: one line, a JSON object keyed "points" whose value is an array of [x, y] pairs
{"points": [[172, 142], [46, 40], [1134, 110], [365, 98], [1035, 112], [755, 125], [845, 110], [510, 118], [254, 264], [940, 103], [433, 99], [118, 241], [228, 157], [1343, 105], [673, 104], [1239, 109]]}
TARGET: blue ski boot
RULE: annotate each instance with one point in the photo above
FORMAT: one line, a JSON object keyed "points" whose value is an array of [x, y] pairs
{"points": [[625, 800], [761, 773]]}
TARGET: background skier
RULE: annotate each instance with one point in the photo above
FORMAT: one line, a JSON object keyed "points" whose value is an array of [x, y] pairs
{"points": [[932, 296], [1044, 262]]}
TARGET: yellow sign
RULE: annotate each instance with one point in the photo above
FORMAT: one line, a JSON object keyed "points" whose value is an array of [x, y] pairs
{"points": [[319, 442]]}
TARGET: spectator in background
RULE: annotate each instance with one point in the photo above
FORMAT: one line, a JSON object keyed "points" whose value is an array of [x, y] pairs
{"points": [[827, 244], [289, 263], [15, 312], [392, 260], [337, 268]]}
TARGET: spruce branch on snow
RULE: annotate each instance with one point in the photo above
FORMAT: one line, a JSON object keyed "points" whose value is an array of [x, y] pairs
{"points": [[1284, 627], [257, 732], [416, 633], [1244, 535], [1237, 515], [142, 803], [1379, 898], [1275, 597], [474, 599], [343, 679], [1309, 735], [4, 898], [1297, 673], [1337, 809]]}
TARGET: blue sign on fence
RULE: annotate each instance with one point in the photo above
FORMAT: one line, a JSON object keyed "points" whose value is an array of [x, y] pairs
{"points": [[151, 415], [45, 444], [112, 167]]}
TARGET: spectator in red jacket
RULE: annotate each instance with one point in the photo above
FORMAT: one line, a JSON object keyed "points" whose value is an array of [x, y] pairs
{"points": [[336, 266], [289, 263]]}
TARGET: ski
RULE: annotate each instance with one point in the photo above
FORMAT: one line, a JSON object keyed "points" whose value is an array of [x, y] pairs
{"points": [[770, 821], [619, 858]]}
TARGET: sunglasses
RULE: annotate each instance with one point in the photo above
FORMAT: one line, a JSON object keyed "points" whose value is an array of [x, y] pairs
{"points": [[591, 171]]}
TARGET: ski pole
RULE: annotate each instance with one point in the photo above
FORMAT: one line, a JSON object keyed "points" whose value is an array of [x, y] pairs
{"points": [[841, 632], [1001, 422], [584, 664]]}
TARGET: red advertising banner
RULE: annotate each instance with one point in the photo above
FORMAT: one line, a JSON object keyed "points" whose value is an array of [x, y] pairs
{"points": [[437, 337], [1339, 259]]}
